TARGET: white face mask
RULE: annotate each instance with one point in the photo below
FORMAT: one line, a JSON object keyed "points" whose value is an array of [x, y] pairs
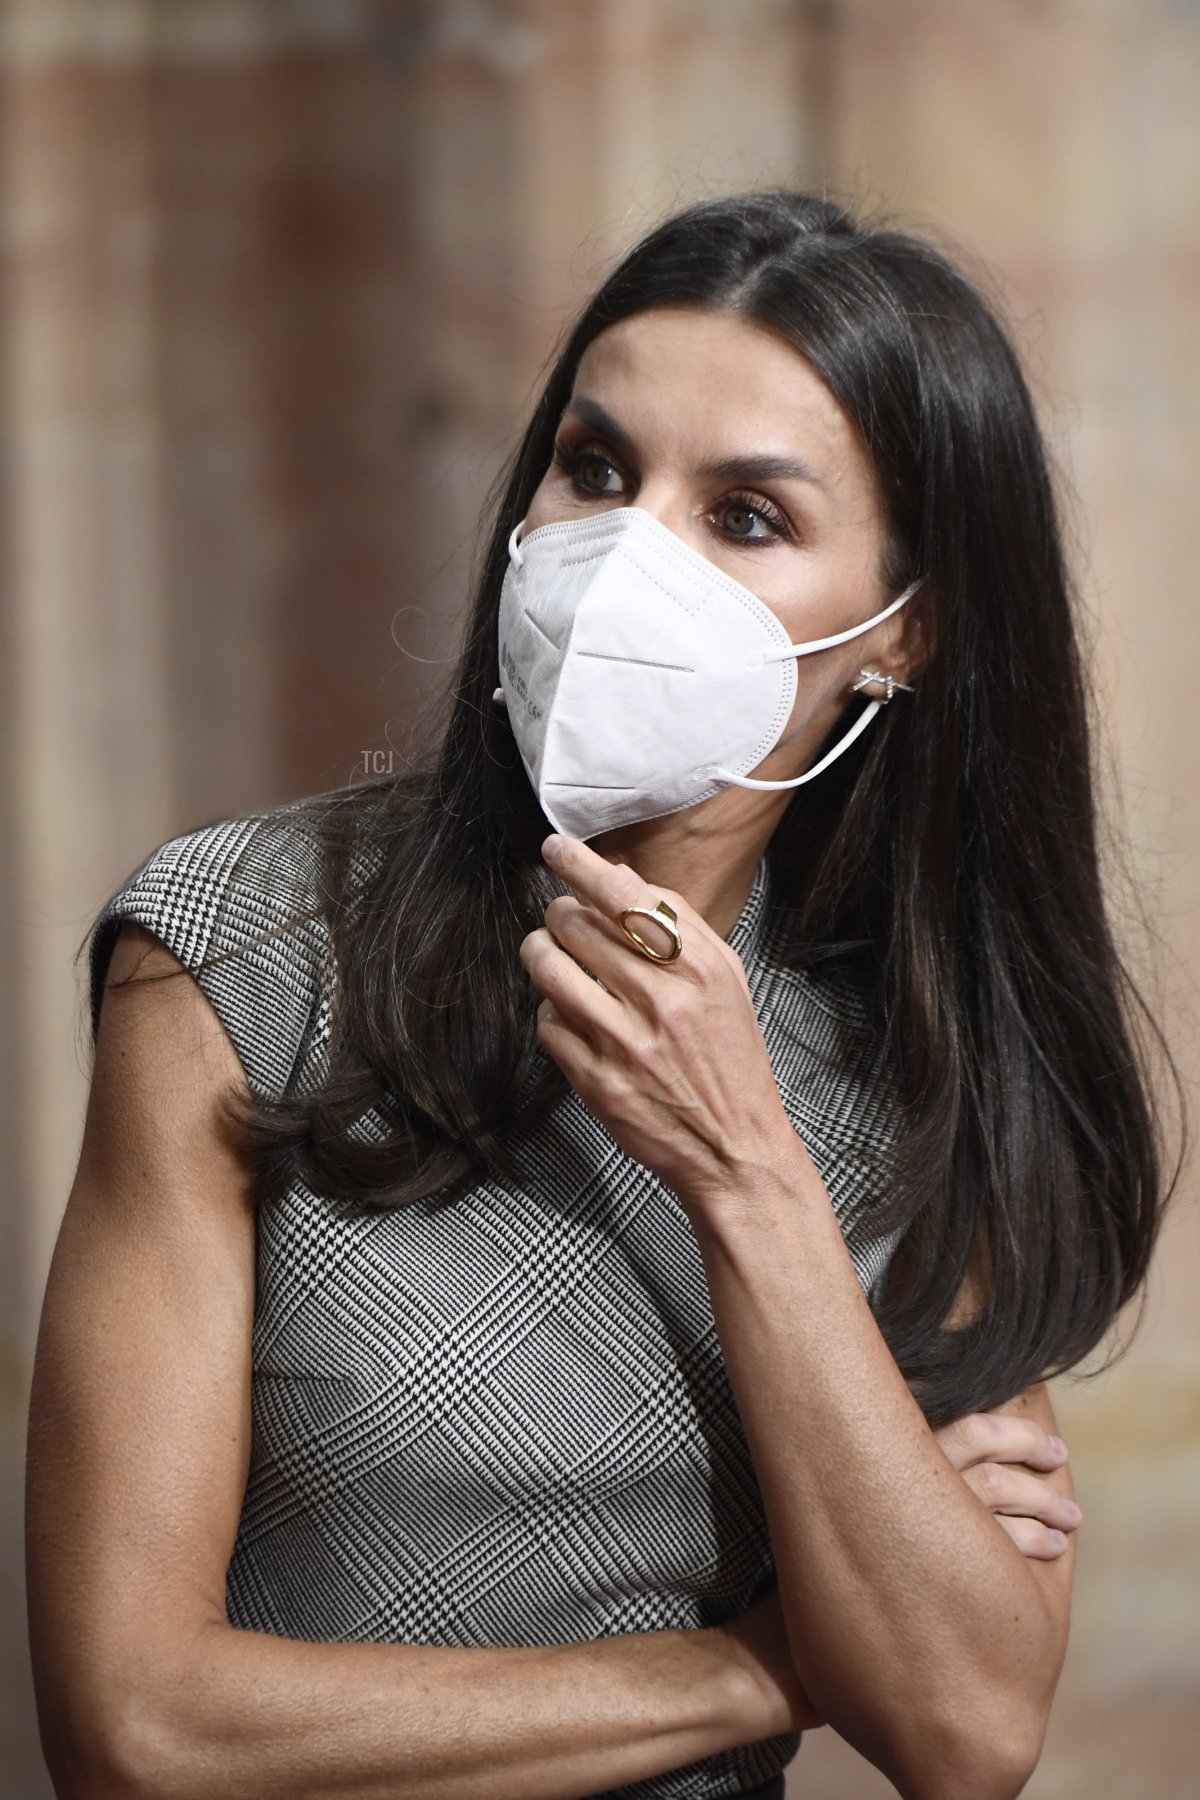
{"points": [[640, 679]]}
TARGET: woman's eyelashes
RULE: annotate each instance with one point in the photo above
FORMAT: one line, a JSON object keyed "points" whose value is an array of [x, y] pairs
{"points": [[740, 518], [740, 513]]}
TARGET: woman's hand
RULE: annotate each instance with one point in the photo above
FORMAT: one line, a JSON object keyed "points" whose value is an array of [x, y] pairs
{"points": [[998, 1456], [669, 1057]]}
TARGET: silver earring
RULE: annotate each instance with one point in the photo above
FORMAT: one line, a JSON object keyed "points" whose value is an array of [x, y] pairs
{"points": [[868, 676]]}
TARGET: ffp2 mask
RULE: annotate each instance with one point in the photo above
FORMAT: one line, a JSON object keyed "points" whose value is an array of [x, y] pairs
{"points": [[639, 678]]}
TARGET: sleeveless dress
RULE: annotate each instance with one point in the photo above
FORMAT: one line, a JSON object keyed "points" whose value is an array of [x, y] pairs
{"points": [[506, 1421]]}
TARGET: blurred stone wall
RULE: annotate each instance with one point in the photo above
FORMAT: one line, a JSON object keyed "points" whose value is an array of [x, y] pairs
{"points": [[278, 282]]}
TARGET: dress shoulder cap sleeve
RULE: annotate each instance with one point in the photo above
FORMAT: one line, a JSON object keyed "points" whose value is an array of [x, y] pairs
{"points": [[237, 902]]}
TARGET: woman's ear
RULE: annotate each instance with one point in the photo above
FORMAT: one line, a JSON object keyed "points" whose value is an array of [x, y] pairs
{"points": [[910, 642]]}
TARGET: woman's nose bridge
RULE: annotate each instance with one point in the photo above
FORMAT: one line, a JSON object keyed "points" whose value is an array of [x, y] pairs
{"points": [[665, 498]]}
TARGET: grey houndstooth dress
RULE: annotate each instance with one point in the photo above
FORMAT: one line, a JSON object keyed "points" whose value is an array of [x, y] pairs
{"points": [[508, 1421]]}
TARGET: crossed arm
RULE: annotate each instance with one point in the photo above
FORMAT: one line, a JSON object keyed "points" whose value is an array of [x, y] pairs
{"points": [[917, 1628], [139, 1446]]}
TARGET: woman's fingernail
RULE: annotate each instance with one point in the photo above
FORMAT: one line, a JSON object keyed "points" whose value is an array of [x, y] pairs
{"points": [[551, 847], [1058, 1447]]}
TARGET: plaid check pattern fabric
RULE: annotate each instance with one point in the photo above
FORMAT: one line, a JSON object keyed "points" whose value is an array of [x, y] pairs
{"points": [[507, 1421]]}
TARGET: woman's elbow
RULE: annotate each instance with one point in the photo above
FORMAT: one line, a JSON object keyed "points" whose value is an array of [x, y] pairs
{"points": [[986, 1739], [121, 1747], [968, 1753]]}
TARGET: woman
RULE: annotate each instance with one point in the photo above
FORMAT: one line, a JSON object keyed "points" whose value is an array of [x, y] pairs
{"points": [[550, 1315]]}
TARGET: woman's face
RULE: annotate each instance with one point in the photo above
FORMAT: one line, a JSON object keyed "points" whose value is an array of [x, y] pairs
{"points": [[728, 437]]}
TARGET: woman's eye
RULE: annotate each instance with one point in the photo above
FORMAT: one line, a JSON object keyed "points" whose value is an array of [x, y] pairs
{"points": [[595, 475], [737, 520]]}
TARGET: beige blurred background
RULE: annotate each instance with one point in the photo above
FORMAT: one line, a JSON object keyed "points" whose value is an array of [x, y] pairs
{"points": [[278, 280]]}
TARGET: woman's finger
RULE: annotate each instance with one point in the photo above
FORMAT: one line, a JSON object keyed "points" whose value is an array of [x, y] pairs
{"points": [[1000, 1437], [1012, 1488], [613, 887], [577, 1000], [572, 1049], [1034, 1539], [588, 937], [609, 887]]}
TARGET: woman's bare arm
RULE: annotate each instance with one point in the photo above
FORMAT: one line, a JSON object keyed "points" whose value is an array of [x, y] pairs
{"points": [[932, 1642], [138, 1453]]}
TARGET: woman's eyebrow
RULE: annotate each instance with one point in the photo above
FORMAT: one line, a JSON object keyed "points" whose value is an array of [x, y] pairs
{"points": [[761, 468], [592, 413], [727, 468]]}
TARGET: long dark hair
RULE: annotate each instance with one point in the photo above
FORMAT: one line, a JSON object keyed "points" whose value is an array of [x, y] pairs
{"points": [[948, 861]]}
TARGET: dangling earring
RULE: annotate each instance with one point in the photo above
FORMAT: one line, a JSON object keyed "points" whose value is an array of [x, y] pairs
{"points": [[868, 676]]}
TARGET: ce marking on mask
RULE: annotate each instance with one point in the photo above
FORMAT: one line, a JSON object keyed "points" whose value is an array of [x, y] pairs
{"points": [[518, 681]]}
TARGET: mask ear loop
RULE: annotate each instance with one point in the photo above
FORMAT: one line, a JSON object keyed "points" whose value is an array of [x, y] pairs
{"points": [[860, 724], [516, 559]]}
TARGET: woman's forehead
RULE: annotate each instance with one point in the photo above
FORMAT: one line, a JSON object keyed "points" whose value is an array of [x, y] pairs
{"points": [[715, 386]]}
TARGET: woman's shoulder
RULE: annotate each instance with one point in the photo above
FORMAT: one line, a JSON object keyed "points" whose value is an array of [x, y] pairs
{"points": [[241, 902]]}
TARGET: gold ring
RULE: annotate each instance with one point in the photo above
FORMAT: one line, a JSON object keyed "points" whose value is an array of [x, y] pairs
{"points": [[663, 915]]}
